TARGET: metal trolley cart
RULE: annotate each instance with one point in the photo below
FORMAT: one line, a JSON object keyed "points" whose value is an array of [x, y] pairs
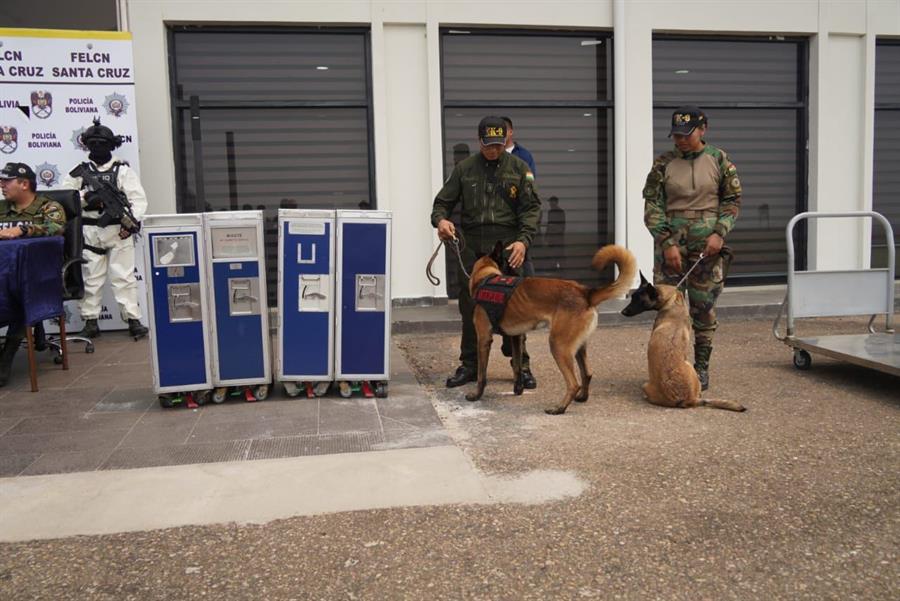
{"points": [[175, 268], [239, 334], [842, 293], [305, 348], [363, 304]]}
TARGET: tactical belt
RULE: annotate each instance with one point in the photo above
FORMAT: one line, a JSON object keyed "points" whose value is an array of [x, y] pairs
{"points": [[493, 295], [693, 214], [90, 221]]}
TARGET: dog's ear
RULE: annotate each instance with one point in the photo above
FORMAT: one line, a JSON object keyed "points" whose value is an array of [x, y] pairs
{"points": [[497, 253], [644, 281]]}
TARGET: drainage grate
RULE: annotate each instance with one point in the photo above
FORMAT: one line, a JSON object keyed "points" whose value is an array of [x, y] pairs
{"points": [[130, 458], [323, 444]]}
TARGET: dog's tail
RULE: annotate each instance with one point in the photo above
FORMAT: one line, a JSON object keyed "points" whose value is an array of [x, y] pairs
{"points": [[627, 265], [730, 405]]}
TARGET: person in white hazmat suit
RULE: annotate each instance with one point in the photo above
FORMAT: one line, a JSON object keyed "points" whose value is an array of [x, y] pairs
{"points": [[108, 241]]}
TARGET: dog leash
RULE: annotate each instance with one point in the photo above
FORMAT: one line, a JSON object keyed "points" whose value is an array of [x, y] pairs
{"points": [[697, 262], [457, 250]]}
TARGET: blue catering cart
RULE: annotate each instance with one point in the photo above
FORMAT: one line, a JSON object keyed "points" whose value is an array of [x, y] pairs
{"points": [[305, 348], [175, 268], [363, 302], [239, 332]]}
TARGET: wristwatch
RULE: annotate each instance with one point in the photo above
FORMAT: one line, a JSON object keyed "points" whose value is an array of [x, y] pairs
{"points": [[24, 229]]}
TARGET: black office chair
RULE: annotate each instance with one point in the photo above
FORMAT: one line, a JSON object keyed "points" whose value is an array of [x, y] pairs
{"points": [[73, 280]]}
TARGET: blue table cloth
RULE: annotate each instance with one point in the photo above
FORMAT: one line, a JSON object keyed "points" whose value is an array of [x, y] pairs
{"points": [[30, 281]]}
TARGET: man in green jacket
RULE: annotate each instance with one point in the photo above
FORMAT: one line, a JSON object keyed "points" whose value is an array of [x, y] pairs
{"points": [[499, 202], [23, 214]]}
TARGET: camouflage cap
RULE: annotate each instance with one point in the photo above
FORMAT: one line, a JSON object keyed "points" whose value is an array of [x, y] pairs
{"points": [[17, 170]]}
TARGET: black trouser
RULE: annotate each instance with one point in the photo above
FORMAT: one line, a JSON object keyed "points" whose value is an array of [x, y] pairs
{"points": [[481, 242]]}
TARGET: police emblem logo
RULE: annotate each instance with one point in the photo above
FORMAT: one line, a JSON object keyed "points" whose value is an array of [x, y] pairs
{"points": [[47, 174], [41, 104], [9, 139], [77, 142], [495, 132], [513, 191], [116, 105]]}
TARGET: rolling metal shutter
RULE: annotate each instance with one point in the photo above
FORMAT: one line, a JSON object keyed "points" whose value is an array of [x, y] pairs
{"points": [[557, 89], [886, 188], [271, 119]]}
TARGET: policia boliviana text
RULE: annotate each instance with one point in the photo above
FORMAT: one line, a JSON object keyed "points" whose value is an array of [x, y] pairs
{"points": [[23, 214], [499, 202], [691, 202]]}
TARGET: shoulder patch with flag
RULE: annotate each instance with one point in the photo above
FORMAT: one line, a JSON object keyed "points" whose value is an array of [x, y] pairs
{"points": [[529, 176]]}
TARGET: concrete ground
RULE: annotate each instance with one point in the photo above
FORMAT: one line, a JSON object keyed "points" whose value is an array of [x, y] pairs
{"points": [[797, 498]]}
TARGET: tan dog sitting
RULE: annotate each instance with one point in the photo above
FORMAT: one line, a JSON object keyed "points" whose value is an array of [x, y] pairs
{"points": [[673, 381], [567, 306]]}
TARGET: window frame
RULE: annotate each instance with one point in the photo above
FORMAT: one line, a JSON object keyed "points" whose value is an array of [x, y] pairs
{"points": [[598, 105], [802, 133], [179, 105]]}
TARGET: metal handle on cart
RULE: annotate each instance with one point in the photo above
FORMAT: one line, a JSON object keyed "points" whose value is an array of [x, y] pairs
{"points": [[791, 278]]}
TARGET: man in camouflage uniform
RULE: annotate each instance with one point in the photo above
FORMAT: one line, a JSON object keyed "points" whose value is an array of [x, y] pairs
{"points": [[23, 214], [691, 202], [499, 202]]}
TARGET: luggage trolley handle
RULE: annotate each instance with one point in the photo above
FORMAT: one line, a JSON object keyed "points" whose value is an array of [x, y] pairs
{"points": [[889, 237]]}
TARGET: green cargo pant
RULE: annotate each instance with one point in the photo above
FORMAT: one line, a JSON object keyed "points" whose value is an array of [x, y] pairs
{"points": [[704, 284], [480, 243]]}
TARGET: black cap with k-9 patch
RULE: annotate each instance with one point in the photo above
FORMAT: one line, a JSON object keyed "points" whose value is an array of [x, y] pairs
{"points": [[685, 119], [492, 130]]}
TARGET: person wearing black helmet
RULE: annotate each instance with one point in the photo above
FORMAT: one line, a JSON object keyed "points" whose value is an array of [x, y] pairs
{"points": [[109, 245], [691, 202]]}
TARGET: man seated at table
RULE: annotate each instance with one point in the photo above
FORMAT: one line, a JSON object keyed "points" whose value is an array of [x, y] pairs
{"points": [[23, 213]]}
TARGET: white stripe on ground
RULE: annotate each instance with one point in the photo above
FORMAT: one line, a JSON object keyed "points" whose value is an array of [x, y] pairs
{"points": [[106, 502]]}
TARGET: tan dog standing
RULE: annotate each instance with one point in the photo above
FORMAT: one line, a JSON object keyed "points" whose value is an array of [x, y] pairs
{"points": [[673, 381], [568, 308]]}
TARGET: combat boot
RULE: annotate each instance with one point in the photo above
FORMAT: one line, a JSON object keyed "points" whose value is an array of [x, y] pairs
{"points": [[90, 330], [7, 356], [702, 353], [136, 329]]}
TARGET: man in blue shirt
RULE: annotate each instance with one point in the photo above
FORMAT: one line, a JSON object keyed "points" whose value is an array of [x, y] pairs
{"points": [[517, 150]]}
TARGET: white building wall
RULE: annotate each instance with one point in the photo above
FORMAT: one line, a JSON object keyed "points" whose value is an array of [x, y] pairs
{"points": [[406, 88]]}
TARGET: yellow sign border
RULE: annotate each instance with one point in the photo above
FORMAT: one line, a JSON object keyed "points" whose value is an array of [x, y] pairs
{"points": [[73, 34]]}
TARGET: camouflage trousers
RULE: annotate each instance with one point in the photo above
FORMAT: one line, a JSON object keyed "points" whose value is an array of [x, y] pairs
{"points": [[704, 284], [477, 244]]}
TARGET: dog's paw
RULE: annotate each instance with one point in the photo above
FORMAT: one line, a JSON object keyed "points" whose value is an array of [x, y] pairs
{"points": [[555, 410], [472, 397]]}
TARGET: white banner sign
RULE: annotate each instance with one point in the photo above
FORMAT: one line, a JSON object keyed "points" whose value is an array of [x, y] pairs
{"points": [[53, 83]]}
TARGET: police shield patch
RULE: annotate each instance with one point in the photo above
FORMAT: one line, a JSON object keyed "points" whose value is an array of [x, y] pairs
{"points": [[41, 104], [9, 139]]}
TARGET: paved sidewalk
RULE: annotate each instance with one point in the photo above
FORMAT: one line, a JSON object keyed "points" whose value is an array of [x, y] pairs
{"points": [[103, 415]]}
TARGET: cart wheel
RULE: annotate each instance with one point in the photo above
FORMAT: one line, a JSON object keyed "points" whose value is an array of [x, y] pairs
{"points": [[261, 392], [381, 389], [57, 359], [89, 348], [202, 397], [321, 388], [345, 389], [802, 360], [165, 401], [219, 394], [291, 389]]}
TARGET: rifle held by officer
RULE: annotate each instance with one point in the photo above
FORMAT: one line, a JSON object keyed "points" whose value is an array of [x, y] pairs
{"points": [[113, 202]]}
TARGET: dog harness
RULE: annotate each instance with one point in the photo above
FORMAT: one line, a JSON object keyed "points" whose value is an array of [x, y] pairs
{"points": [[493, 294]]}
